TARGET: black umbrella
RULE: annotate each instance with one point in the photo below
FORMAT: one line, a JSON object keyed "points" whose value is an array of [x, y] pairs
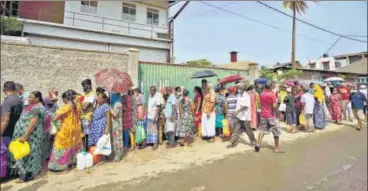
{"points": [[203, 74]]}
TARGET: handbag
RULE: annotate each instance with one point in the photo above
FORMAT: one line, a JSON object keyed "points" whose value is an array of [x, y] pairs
{"points": [[170, 126], [226, 128], [140, 134], [302, 120], [103, 146], [54, 127]]}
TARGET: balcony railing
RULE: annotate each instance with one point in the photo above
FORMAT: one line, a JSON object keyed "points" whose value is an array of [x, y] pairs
{"points": [[90, 21]]}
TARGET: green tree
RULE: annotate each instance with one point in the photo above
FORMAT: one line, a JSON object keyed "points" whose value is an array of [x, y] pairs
{"points": [[290, 74], [296, 7], [268, 73], [273, 76], [10, 24], [200, 62]]}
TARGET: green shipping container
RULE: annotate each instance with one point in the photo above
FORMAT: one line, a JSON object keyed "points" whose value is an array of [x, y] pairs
{"points": [[162, 75]]}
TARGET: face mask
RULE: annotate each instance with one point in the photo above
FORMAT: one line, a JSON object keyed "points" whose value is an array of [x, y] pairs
{"points": [[311, 91], [178, 94], [240, 91], [354, 91]]}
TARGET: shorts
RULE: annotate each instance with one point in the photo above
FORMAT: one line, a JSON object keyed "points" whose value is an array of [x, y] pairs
{"points": [[270, 124], [358, 113]]}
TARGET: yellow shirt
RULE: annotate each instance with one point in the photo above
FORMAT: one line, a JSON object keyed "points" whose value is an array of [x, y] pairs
{"points": [[282, 96], [70, 131], [90, 97]]}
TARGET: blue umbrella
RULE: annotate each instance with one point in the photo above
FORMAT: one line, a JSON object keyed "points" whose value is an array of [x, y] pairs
{"points": [[260, 81]]}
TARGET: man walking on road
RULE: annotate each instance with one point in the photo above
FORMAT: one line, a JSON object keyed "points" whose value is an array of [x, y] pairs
{"points": [[268, 120], [243, 118], [357, 102]]}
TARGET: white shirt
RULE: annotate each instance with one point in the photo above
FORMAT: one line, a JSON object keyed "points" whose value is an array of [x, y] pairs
{"points": [[308, 100], [153, 103], [243, 101]]}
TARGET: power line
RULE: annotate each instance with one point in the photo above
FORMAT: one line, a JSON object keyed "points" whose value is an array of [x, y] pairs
{"points": [[256, 21], [312, 25], [337, 40], [202, 13]]}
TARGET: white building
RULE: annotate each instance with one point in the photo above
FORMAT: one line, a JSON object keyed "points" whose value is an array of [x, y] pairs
{"points": [[327, 62], [100, 25]]}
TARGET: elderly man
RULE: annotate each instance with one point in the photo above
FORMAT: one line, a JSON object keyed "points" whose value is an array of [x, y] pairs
{"points": [[153, 112], [243, 118]]}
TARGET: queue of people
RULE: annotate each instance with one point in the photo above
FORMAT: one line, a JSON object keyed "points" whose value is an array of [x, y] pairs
{"points": [[57, 133]]}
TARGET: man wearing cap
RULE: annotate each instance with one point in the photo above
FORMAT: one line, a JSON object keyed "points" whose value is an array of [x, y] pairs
{"points": [[268, 121], [87, 109]]}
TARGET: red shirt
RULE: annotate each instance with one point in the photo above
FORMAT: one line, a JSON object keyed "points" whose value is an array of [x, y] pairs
{"points": [[345, 93], [268, 99]]}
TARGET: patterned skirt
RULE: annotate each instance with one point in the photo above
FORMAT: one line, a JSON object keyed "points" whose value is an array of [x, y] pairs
{"points": [[62, 158], [319, 116]]}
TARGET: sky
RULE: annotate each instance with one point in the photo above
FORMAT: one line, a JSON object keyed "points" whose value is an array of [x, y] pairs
{"points": [[202, 31]]}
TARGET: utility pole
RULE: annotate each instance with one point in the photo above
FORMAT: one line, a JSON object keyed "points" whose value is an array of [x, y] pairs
{"points": [[171, 30]]}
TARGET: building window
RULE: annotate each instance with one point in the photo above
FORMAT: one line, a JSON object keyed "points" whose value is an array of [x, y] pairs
{"points": [[152, 16], [129, 12], [312, 65], [89, 7], [326, 65], [337, 64]]}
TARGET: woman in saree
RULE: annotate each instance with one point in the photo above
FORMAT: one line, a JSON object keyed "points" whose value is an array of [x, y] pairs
{"points": [[141, 107], [209, 114], [29, 128], [116, 128], [68, 139], [319, 115], [128, 130], [335, 106], [186, 128], [197, 108], [220, 107]]}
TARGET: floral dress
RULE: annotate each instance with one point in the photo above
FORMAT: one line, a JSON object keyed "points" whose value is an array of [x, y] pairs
{"points": [[28, 167], [220, 103], [98, 124], [186, 127], [116, 133]]}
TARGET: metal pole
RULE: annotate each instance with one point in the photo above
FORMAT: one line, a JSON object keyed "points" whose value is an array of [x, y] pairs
{"points": [[103, 21], [39, 14]]}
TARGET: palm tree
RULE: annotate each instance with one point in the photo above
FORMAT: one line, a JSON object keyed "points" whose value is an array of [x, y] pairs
{"points": [[297, 7]]}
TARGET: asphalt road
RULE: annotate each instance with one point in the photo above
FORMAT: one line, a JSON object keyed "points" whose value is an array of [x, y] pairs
{"points": [[332, 161]]}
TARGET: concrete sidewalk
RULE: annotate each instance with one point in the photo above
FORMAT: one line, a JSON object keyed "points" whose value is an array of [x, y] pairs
{"points": [[147, 163]]}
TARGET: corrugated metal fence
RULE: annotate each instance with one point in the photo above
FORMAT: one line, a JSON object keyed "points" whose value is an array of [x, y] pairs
{"points": [[162, 75]]}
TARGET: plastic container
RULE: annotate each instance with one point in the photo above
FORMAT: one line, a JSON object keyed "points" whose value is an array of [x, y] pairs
{"points": [[89, 160], [81, 161], [96, 158], [18, 149]]}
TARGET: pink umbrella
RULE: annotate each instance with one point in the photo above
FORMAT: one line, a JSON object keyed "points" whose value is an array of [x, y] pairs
{"points": [[113, 80]]}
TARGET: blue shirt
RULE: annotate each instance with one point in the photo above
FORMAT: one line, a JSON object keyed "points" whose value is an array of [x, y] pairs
{"points": [[170, 102], [357, 100]]}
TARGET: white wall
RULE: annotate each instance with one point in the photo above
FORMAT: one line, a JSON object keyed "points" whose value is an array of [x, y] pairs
{"points": [[108, 17]]}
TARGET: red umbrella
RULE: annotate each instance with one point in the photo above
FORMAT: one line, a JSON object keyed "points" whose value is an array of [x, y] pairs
{"points": [[289, 82], [112, 80], [229, 79]]}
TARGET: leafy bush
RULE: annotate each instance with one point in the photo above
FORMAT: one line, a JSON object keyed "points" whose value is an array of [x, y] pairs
{"points": [[10, 24]]}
